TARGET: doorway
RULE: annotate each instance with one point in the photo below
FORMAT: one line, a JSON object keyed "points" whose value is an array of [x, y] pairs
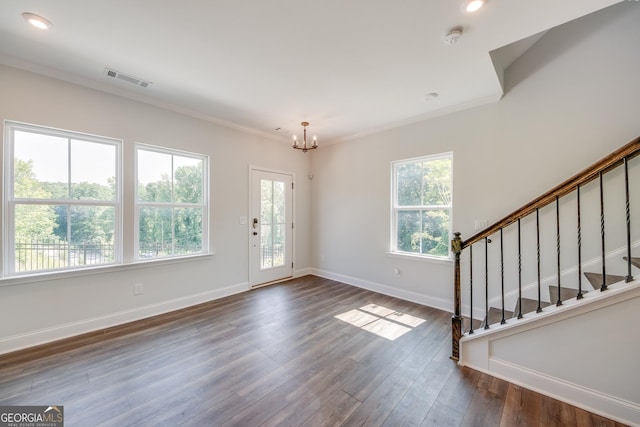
{"points": [[270, 227]]}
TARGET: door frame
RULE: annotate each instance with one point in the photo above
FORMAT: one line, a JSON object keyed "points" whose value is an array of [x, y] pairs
{"points": [[251, 169]]}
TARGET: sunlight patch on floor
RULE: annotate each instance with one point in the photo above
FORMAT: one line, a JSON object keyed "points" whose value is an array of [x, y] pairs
{"points": [[382, 321]]}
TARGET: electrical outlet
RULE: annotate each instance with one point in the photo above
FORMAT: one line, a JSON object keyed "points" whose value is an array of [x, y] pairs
{"points": [[137, 289]]}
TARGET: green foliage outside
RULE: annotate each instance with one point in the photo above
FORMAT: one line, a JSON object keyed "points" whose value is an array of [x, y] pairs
{"points": [[172, 230], [423, 191], [51, 236], [272, 223]]}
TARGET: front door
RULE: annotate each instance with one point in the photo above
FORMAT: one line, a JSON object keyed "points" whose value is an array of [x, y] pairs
{"points": [[270, 227]]}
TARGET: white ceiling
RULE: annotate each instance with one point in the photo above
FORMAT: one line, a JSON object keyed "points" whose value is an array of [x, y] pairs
{"points": [[350, 67]]}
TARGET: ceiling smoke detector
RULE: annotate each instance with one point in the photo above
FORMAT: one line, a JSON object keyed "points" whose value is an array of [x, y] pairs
{"points": [[453, 36]]}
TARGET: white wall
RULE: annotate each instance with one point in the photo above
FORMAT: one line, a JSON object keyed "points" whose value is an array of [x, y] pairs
{"points": [[571, 99], [41, 310]]}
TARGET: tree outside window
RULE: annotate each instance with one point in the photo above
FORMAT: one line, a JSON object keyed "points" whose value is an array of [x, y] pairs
{"points": [[422, 191], [171, 202], [63, 199]]}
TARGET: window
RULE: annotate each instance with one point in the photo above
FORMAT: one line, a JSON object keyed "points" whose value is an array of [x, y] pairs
{"points": [[171, 202], [421, 205], [62, 199]]}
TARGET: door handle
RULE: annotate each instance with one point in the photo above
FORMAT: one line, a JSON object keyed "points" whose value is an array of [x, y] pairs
{"points": [[255, 222]]}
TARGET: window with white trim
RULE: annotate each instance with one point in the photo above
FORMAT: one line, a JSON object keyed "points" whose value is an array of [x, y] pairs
{"points": [[421, 205], [172, 202], [62, 200]]}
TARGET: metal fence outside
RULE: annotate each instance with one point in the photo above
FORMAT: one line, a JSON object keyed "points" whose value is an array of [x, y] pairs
{"points": [[50, 254]]}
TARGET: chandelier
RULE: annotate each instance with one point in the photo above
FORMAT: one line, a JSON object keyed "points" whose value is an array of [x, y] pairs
{"points": [[304, 146]]}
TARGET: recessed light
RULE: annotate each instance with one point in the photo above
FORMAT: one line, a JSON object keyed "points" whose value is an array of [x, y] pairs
{"points": [[474, 5], [37, 21], [431, 96]]}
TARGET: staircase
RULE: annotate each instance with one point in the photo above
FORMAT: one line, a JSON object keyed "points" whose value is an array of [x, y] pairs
{"points": [[545, 298], [531, 305], [600, 201]]}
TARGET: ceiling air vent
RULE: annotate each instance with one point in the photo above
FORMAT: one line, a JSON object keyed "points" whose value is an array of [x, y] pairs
{"points": [[129, 79]]}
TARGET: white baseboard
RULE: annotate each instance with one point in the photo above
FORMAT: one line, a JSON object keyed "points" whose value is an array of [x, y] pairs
{"points": [[439, 303], [43, 336], [590, 400], [303, 272]]}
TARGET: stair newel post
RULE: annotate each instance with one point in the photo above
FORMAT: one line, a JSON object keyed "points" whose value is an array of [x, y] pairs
{"points": [[539, 308], [502, 322], [470, 289], [456, 319], [580, 295], [486, 283], [519, 272], [604, 253], [559, 302], [629, 277]]}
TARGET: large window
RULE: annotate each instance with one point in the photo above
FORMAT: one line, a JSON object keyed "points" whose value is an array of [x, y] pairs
{"points": [[421, 205], [171, 202], [62, 200]]}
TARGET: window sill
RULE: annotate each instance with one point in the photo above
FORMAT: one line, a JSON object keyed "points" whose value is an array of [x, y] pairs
{"points": [[420, 258], [88, 271]]}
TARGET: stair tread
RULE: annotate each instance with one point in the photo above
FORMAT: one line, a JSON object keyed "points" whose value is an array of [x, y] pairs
{"points": [[477, 324], [565, 293], [634, 261], [495, 315], [596, 279], [529, 305]]}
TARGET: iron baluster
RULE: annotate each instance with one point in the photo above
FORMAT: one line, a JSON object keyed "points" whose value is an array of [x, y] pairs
{"points": [[604, 254], [519, 273], [502, 322], [539, 309], [629, 277], [471, 289], [580, 295], [486, 283], [559, 302]]}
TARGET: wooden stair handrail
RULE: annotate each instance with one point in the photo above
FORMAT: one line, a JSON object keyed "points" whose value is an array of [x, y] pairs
{"points": [[587, 175]]}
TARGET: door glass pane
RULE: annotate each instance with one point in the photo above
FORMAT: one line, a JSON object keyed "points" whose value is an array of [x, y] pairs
{"points": [[266, 247], [278, 245], [266, 205], [278, 202], [272, 225]]}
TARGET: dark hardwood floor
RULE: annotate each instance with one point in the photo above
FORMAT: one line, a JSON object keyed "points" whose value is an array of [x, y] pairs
{"points": [[276, 356]]}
